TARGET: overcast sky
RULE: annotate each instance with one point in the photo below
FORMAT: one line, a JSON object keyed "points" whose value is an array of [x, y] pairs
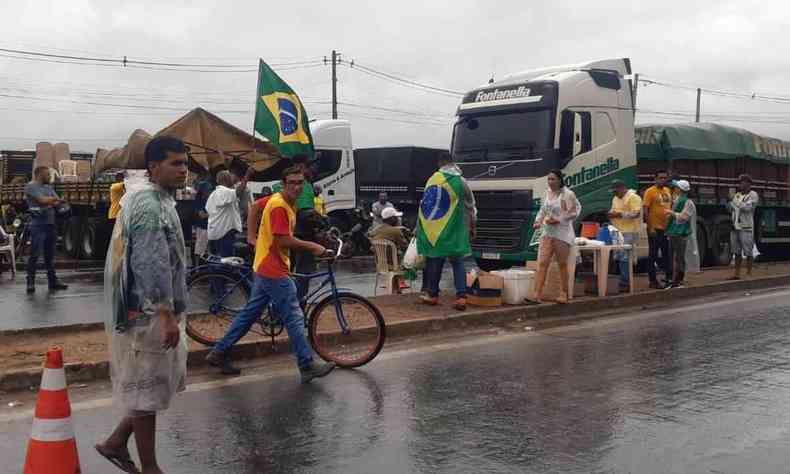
{"points": [[738, 46]]}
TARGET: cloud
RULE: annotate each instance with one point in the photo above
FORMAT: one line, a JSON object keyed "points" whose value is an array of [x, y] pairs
{"points": [[730, 45]]}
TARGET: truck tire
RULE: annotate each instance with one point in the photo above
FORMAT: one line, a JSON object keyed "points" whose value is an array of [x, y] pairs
{"points": [[721, 251], [702, 244], [70, 236], [89, 249], [488, 265]]}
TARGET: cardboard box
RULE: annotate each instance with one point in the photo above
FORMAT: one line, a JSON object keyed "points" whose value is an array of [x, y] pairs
{"points": [[484, 289]]}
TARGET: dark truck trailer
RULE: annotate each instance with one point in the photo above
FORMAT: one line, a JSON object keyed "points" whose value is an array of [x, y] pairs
{"points": [[86, 232], [712, 157], [399, 171]]}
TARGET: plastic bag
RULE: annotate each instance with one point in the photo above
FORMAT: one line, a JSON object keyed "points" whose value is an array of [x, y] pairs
{"points": [[412, 259]]}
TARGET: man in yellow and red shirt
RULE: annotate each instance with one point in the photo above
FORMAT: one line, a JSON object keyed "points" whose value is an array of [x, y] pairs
{"points": [[272, 282]]}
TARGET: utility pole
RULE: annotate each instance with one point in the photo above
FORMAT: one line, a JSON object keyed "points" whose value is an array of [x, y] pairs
{"points": [[335, 57], [699, 96]]}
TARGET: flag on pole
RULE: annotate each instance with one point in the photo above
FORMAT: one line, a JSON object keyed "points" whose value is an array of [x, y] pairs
{"points": [[280, 115]]}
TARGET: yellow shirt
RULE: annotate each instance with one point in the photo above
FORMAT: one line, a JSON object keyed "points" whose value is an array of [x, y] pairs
{"points": [[630, 206], [117, 191], [658, 203], [320, 205]]}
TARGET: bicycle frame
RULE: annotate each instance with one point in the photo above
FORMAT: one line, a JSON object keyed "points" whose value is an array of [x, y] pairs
{"points": [[316, 294]]}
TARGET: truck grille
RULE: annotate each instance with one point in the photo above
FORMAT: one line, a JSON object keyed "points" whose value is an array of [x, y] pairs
{"points": [[499, 232]]}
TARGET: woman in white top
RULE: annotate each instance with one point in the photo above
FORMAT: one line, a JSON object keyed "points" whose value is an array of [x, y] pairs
{"points": [[558, 210]]}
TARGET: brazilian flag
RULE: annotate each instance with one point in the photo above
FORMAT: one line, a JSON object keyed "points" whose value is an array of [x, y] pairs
{"points": [[442, 231], [280, 115]]}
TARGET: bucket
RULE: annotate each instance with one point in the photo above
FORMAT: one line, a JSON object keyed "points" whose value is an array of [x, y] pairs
{"points": [[604, 235], [517, 285], [590, 229]]}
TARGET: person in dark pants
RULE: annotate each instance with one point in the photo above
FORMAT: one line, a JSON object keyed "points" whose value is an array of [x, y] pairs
{"points": [[41, 202], [657, 202]]}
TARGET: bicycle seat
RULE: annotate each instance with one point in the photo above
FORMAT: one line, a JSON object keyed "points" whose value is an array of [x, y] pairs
{"points": [[235, 261]]}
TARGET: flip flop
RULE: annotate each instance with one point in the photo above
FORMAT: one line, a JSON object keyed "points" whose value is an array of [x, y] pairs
{"points": [[121, 461]]}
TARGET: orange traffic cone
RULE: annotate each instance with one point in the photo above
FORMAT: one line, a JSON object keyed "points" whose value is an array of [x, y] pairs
{"points": [[52, 448]]}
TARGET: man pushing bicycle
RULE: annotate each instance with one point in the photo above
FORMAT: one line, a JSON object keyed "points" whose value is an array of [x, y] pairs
{"points": [[272, 283]]}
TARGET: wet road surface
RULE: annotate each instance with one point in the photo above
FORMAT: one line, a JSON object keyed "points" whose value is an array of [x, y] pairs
{"points": [[700, 388], [84, 300]]}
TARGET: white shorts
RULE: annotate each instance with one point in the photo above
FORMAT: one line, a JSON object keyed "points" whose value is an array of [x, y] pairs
{"points": [[742, 242]]}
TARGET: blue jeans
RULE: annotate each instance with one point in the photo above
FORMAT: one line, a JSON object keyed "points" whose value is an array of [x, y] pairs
{"points": [[433, 275], [223, 246], [629, 238], [281, 293], [42, 240]]}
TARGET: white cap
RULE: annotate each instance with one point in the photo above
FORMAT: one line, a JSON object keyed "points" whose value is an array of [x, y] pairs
{"points": [[683, 185], [388, 212]]}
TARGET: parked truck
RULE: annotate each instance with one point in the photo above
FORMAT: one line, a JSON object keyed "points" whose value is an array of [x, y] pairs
{"points": [[580, 119], [352, 178]]}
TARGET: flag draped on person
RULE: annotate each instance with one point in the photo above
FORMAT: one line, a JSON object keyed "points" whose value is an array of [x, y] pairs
{"points": [[280, 115], [442, 231]]}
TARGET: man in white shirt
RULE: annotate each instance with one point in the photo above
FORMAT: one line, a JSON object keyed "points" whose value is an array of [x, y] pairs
{"points": [[224, 220], [743, 205]]}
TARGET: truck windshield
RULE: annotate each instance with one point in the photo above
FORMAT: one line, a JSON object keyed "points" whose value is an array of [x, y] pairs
{"points": [[503, 136]]}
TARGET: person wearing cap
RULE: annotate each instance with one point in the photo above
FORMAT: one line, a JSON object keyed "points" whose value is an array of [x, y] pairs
{"points": [[743, 205], [679, 230], [625, 215], [390, 228]]}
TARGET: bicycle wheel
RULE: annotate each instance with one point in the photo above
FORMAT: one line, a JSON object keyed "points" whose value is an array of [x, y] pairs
{"points": [[353, 341], [210, 311]]}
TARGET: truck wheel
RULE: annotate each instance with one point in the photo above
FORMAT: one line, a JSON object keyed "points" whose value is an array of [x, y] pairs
{"points": [[89, 249], [720, 248], [702, 245], [70, 236], [488, 265]]}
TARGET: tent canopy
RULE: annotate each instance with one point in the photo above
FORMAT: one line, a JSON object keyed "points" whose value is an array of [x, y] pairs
{"points": [[707, 141], [212, 142]]}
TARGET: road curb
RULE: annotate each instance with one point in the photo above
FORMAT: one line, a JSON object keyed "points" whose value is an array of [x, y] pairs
{"points": [[538, 317]]}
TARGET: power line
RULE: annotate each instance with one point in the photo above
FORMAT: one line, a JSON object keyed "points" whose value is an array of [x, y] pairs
{"points": [[398, 111], [718, 92], [354, 66]]}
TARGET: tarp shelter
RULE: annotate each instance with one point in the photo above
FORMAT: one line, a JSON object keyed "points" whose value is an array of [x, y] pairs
{"points": [[212, 142]]}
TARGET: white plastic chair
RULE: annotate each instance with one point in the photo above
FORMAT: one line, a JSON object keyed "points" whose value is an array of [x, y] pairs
{"points": [[9, 249], [387, 264]]}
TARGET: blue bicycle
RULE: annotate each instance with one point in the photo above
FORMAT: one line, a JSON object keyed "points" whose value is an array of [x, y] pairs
{"points": [[343, 327]]}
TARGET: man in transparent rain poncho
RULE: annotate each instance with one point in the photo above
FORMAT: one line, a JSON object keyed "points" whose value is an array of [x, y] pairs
{"points": [[145, 289]]}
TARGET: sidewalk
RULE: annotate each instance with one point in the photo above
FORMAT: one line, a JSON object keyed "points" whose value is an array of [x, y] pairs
{"points": [[85, 345]]}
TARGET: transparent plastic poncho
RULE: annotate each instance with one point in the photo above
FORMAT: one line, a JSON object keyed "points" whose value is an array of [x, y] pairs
{"points": [[145, 270]]}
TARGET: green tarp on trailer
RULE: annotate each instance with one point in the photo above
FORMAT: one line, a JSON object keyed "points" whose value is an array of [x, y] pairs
{"points": [[706, 141]]}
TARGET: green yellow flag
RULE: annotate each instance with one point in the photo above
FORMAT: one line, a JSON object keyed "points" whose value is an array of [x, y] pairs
{"points": [[280, 115], [442, 231]]}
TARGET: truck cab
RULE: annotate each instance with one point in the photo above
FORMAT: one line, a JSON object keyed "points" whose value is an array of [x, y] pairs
{"points": [[509, 134], [335, 165]]}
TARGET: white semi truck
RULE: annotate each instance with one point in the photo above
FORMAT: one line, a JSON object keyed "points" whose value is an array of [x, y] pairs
{"points": [[508, 135]]}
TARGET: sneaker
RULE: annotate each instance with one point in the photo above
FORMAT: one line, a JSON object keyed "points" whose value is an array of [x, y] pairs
{"points": [[223, 362], [460, 303], [429, 300], [316, 371], [31, 288], [58, 285]]}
